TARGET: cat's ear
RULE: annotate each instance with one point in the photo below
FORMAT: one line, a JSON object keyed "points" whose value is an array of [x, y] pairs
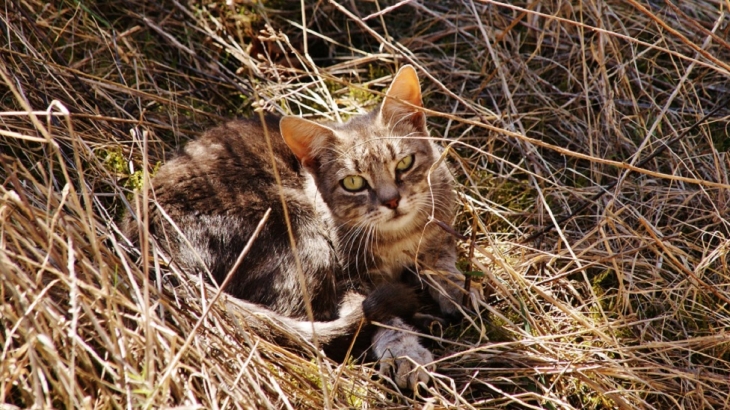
{"points": [[305, 138], [406, 88]]}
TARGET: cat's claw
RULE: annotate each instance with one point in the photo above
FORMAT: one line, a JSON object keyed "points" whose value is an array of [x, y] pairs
{"points": [[408, 367], [401, 357]]}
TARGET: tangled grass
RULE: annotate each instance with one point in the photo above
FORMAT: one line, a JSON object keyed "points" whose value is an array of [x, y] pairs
{"points": [[589, 138]]}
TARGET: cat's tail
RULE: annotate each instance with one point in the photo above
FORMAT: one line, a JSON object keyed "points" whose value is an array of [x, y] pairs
{"points": [[292, 332], [356, 311]]}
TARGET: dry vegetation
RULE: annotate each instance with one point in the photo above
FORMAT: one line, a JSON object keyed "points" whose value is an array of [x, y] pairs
{"points": [[616, 111]]}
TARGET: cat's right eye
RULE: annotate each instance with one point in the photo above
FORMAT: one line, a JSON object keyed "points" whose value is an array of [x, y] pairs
{"points": [[353, 183]]}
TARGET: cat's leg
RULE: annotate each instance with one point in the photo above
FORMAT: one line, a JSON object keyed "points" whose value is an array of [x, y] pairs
{"points": [[446, 282], [447, 288], [400, 354]]}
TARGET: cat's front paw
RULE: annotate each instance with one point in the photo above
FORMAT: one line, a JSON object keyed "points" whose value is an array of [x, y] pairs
{"points": [[401, 356]]}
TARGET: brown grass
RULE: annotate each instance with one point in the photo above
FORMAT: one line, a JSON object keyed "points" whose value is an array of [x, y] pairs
{"points": [[545, 105]]}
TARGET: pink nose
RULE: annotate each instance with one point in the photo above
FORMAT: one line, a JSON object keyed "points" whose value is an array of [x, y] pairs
{"points": [[392, 203]]}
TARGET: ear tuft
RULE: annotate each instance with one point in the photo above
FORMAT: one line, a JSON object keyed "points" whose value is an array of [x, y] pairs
{"points": [[305, 138], [406, 88]]}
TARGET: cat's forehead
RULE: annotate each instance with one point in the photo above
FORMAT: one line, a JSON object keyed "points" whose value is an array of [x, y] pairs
{"points": [[373, 152], [363, 148]]}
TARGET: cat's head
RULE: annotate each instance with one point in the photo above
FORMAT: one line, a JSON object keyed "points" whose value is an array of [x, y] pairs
{"points": [[378, 171]]}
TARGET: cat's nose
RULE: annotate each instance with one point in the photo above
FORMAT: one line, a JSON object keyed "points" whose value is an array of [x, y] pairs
{"points": [[393, 202], [388, 194]]}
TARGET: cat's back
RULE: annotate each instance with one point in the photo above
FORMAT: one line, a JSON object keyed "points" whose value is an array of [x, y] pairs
{"points": [[216, 190], [226, 162]]}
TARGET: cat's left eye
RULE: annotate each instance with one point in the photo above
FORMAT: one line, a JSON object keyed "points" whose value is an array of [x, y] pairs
{"points": [[405, 164]]}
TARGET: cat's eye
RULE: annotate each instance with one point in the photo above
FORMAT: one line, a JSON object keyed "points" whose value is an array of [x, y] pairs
{"points": [[353, 183], [405, 164]]}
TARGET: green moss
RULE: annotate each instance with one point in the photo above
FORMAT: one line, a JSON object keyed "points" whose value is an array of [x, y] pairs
{"points": [[116, 163], [362, 95], [495, 330], [588, 398], [136, 179]]}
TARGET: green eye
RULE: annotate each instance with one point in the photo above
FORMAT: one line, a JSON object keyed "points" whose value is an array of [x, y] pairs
{"points": [[405, 164], [353, 183]]}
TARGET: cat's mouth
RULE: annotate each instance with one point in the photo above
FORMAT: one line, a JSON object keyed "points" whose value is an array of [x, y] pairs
{"points": [[398, 214], [397, 220]]}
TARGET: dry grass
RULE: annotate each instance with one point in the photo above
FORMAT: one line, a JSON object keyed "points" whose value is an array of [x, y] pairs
{"points": [[550, 107]]}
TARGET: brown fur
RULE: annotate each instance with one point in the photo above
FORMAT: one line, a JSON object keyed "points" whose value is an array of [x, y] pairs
{"points": [[219, 187]]}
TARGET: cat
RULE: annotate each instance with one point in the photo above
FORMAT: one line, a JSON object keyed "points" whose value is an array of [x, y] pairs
{"points": [[362, 200]]}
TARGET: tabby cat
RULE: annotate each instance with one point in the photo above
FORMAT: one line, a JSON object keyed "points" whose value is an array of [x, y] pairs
{"points": [[362, 198]]}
